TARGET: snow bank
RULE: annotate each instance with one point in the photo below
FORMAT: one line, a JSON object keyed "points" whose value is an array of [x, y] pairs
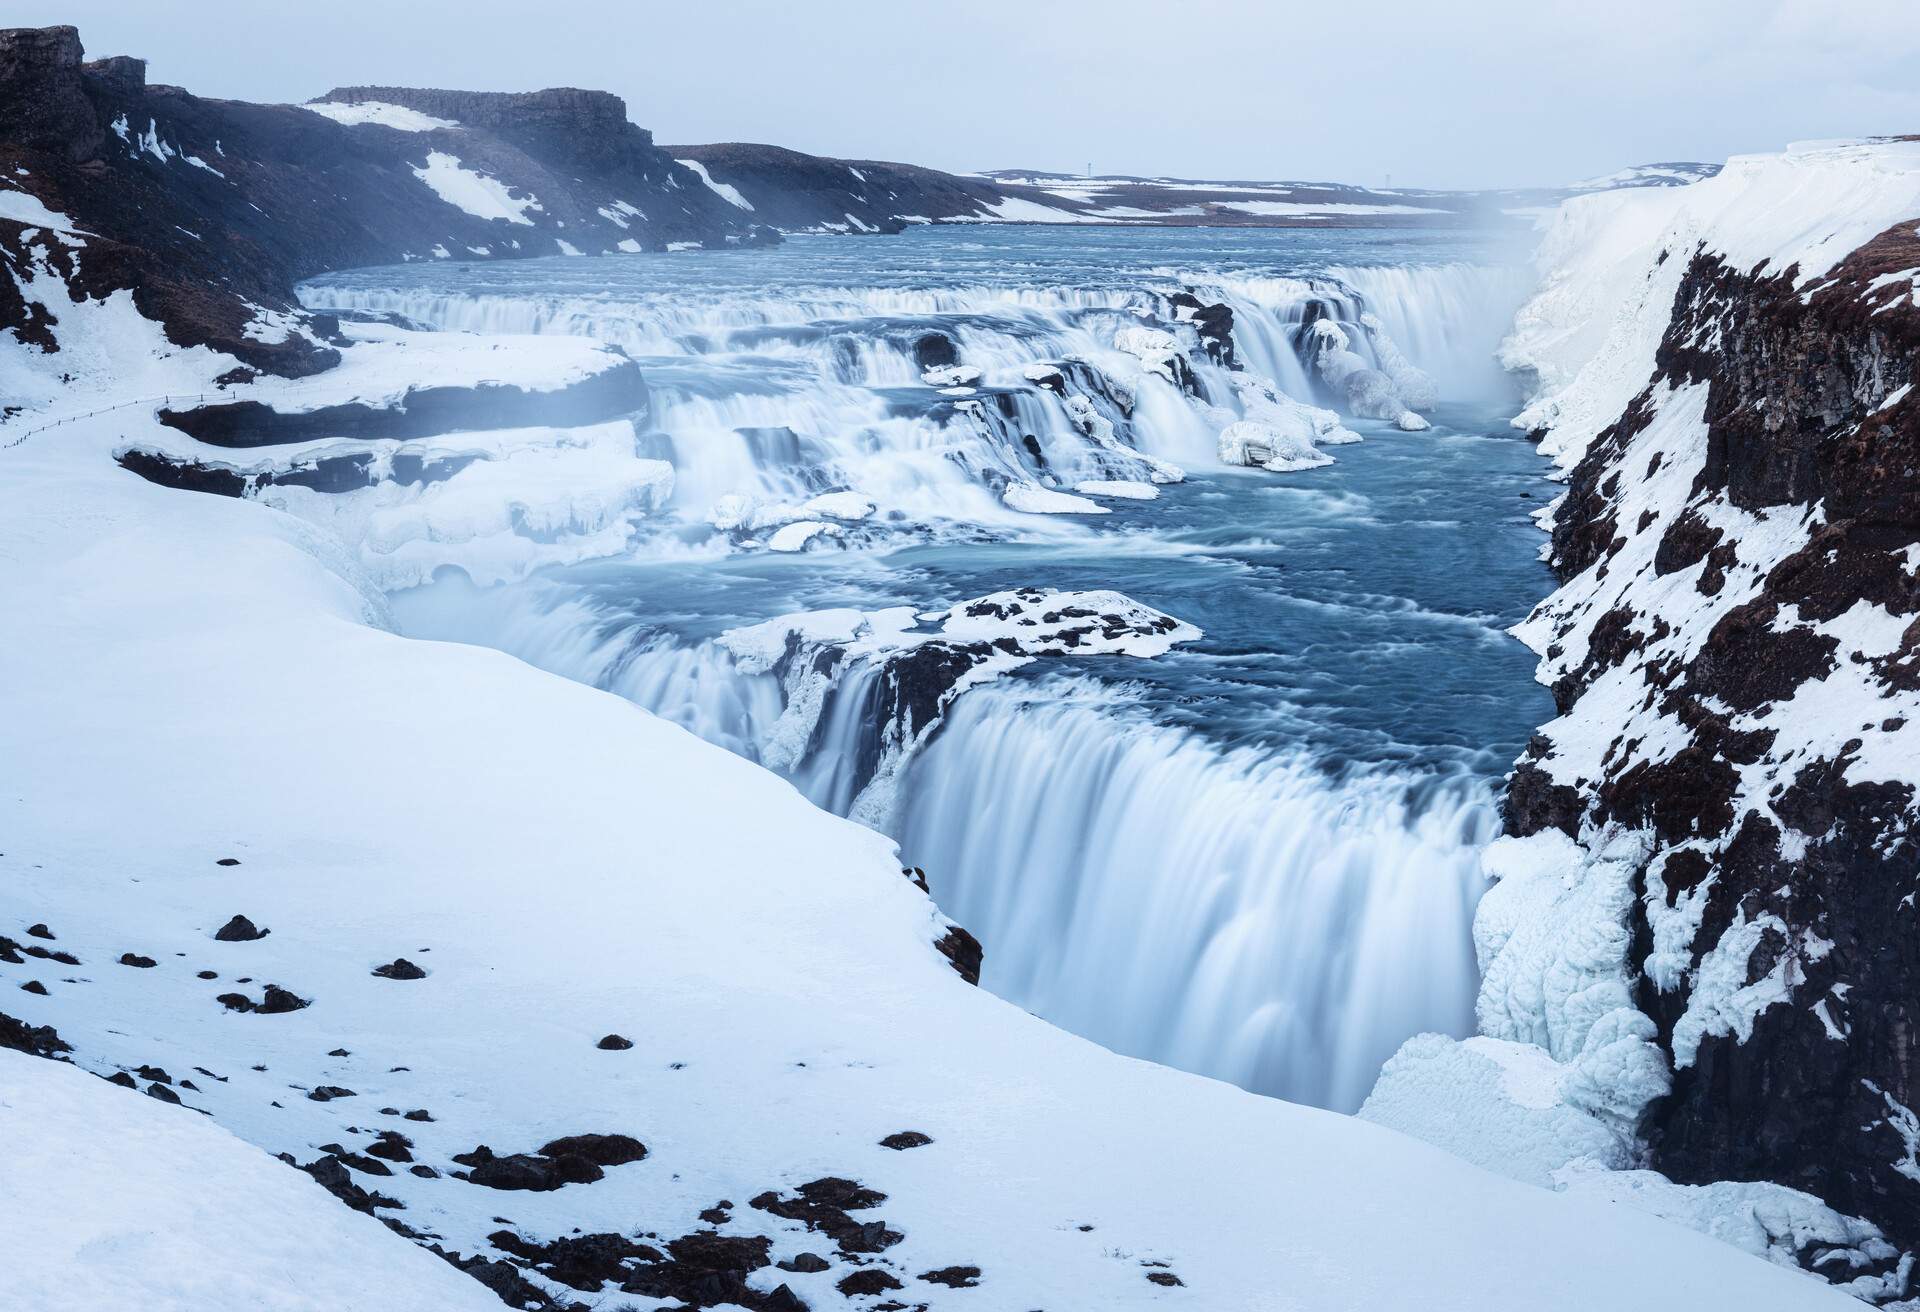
{"points": [[478, 194], [378, 112], [1610, 264], [115, 1199], [1036, 500], [532, 498], [730, 194], [381, 363]]}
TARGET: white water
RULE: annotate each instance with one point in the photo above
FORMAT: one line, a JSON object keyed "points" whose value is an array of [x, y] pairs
{"points": [[1232, 914]]}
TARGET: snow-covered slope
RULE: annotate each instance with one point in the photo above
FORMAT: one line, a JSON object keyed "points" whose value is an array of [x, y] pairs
{"points": [[1701, 955], [610, 1016], [134, 1203]]}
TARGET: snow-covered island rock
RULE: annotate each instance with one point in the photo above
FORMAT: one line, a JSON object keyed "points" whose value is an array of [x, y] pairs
{"points": [[904, 669]]}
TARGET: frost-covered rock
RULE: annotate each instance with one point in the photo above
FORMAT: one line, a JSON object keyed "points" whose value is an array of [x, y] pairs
{"points": [[1415, 385], [906, 669], [1124, 489], [952, 376], [1281, 451], [1036, 500], [801, 534], [1370, 394]]}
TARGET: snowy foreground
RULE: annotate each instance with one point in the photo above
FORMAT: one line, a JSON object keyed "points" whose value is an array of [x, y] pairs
{"points": [[205, 718]]}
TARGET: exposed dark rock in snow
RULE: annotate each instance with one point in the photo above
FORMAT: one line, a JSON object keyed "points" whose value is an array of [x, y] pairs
{"points": [[1213, 322], [399, 968], [825, 1205], [614, 1043], [963, 951], [953, 1277], [870, 1280], [276, 1000], [134, 959], [906, 1139], [40, 931], [239, 930], [35, 1040], [575, 1159]]}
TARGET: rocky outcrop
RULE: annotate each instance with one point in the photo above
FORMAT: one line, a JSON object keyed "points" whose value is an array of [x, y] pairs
{"points": [[1736, 656]]}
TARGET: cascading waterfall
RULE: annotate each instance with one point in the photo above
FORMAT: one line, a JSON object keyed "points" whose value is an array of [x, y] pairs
{"points": [[1239, 911], [1229, 913]]}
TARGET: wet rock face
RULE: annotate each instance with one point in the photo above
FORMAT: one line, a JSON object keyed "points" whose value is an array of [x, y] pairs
{"points": [[1786, 846]]}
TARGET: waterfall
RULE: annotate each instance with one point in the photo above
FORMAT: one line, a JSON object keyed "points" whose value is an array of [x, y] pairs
{"points": [[1229, 913], [1226, 910]]}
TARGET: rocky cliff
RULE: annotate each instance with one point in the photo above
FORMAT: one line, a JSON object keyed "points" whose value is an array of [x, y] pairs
{"points": [[1727, 374], [209, 211], [1736, 639]]}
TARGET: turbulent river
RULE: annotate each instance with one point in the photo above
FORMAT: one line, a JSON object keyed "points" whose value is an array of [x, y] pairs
{"points": [[1254, 856]]}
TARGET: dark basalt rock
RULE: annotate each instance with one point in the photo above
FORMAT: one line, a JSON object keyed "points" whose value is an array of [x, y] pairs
{"points": [[399, 968], [905, 1139], [576, 1159], [585, 1262], [804, 1263], [239, 930], [328, 1092], [34, 1040], [135, 960], [392, 1146], [963, 952], [332, 1175], [614, 1043], [505, 1280], [34, 986], [953, 1277], [871, 1280], [934, 350], [40, 931], [1167, 1278], [1214, 324], [824, 1205], [275, 1001]]}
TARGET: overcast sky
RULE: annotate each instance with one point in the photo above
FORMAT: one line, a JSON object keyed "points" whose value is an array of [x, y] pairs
{"points": [[1470, 93]]}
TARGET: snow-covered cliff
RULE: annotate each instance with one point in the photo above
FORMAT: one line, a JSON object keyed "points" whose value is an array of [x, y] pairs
{"points": [[1700, 957]]}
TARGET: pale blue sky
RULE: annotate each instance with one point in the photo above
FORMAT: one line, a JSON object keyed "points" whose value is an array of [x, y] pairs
{"points": [[1492, 93]]}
